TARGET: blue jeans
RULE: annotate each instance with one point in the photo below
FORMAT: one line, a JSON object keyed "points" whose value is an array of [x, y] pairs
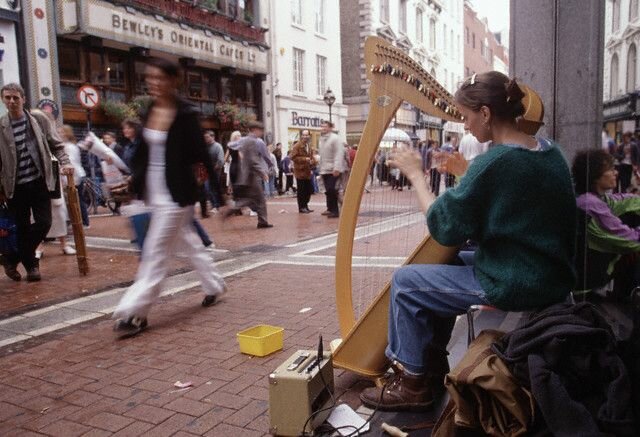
{"points": [[425, 300]]}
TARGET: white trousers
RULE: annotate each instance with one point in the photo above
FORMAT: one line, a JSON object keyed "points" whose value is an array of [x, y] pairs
{"points": [[171, 230]]}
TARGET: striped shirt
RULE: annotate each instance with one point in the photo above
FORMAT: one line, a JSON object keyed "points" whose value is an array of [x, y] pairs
{"points": [[27, 170]]}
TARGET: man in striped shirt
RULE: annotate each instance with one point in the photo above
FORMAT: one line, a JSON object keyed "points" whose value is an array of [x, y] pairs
{"points": [[27, 144]]}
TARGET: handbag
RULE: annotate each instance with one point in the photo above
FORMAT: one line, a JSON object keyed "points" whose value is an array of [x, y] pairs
{"points": [[8, 232]]}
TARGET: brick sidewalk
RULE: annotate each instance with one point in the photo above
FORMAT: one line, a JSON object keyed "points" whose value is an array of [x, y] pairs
{"points": [[86, 383], [80, 381]]}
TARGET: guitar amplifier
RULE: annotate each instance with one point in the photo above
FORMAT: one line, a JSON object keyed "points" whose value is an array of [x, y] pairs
{"points": [[297, 389]]}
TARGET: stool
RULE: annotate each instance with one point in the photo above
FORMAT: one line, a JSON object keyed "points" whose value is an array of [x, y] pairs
{"points": [[471, 333]]}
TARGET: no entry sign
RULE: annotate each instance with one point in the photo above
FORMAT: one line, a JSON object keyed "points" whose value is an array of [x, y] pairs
{"points": [[88, 97]]}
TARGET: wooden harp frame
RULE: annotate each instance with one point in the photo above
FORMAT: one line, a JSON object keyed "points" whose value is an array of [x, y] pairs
{"points": [[395, 78]]}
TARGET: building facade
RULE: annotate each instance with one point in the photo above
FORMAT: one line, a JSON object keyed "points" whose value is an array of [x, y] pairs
{"points": [[219, 44], [11, 45], [620, 78], [430, 31], [483, 51], [305, 57]]}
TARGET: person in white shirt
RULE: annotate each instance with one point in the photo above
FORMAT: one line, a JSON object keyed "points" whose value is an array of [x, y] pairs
{"points": [[470, 147]]}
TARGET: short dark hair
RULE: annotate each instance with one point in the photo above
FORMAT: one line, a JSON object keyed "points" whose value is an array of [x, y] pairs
{"points": [[169, 68], [495, 90], [12, 87], [328, 123], [210, 132], [587, 168], [111, 134]]}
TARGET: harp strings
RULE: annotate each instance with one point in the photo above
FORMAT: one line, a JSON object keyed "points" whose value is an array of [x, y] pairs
{"points": [[388, 224]]}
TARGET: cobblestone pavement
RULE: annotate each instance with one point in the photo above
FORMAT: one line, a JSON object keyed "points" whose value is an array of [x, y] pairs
{"points": [[62, 373]]}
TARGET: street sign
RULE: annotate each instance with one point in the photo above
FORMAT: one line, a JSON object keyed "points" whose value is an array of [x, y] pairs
{"points": [[88, 97]]}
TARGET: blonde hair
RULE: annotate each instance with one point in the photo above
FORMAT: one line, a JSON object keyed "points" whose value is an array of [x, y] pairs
{"points": [[235, 135], [67, 133]]}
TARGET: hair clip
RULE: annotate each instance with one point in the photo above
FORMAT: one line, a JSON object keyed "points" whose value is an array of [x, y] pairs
{"points": [[473, 79]]}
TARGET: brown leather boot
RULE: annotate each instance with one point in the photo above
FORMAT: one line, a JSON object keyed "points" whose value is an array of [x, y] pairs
{"points": [[402, 392]]}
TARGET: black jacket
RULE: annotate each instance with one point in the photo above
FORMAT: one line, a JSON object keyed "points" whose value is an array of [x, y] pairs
{"points": [[184, 149], [565, 354]]}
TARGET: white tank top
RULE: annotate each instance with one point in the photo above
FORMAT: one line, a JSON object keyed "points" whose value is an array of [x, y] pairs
{"points": [[157, 192]]}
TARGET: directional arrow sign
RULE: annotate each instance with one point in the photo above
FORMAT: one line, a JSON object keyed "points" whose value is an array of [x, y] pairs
{"points": [[88, 97]]}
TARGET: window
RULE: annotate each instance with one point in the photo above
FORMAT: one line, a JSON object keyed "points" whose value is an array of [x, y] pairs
{"points": [[631, 68], [384, 10], [403, 16], [232, 8], [446, 77], [321, 73], [432, 34], [466, 72], [453, 83], [226, 90], [116, 71], [616, 15], [613, 91], [419, 25], [633, 10], [68, 60], [451, 43], [473, 41], [298, 70], [296, 12], [466, 35], [444, 37], [320, 16]]}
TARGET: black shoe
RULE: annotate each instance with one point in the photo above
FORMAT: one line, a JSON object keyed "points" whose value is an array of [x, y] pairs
{"points": [[11, 270], [327, 212], [304, 211], [309, 210], [264, 225], [210, 300], [33, 274], [333, 215], [130, 327]]}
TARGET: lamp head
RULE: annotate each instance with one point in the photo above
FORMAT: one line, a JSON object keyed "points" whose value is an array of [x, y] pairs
{"points": [[329, 97]]}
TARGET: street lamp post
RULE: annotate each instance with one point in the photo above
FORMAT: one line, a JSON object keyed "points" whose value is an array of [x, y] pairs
{"points": [[329, 99]]}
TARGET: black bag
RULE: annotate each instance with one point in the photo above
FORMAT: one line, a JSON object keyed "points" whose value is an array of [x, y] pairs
{"points": [[56, 193]]}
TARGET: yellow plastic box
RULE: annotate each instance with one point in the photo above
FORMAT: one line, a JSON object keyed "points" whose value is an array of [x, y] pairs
{"points": [[261, 340]]}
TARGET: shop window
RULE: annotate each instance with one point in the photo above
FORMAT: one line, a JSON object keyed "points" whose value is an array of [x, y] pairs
{"points": [[249, 86], [239, 89], [249, 12], [226, 90], [68, 94], [631, 68], [68, 62], [138, 78], [116, 69], [97, 69], [211, 85], [194, 85]]}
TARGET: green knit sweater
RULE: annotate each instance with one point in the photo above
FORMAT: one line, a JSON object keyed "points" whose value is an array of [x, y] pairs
{"points": [[519, 206]]}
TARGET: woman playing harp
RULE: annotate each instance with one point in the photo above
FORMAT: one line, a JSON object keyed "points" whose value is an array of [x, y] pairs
{"points": [[516, 201]]}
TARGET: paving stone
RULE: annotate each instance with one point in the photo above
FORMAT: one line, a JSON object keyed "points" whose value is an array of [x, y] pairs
{"points": [[108, 421], [171, 426], [229, 430], [248, 413], [64, 428], [148, 413], [188, 406]]}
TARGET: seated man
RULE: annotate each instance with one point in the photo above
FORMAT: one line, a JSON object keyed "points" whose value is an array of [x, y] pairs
{"points": [[612, 224], [516, 201]]}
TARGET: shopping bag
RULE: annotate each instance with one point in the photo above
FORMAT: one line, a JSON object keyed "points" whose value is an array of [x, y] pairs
{"points": [[8, 232], [139, 217]]}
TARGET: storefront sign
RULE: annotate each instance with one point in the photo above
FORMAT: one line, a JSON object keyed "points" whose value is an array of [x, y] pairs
{"points": [[300, 120], [135, 28], [619, 108]]}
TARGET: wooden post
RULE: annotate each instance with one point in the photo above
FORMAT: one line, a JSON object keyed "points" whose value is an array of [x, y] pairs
{"points": [[76, 225]]}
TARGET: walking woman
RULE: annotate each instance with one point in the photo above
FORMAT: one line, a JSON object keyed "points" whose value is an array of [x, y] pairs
{"points": [[162, 173], [516, 201]]}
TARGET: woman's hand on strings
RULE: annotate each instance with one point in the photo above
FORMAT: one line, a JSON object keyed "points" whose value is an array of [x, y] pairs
{"points": [[455, 164], [408, 161]]}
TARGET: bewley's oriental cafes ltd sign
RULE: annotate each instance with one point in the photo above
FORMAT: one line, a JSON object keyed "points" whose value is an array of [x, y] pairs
{"points": [[134, 27]]}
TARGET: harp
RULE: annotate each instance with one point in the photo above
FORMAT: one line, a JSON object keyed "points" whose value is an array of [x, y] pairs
{"points": [[395, 78]]}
